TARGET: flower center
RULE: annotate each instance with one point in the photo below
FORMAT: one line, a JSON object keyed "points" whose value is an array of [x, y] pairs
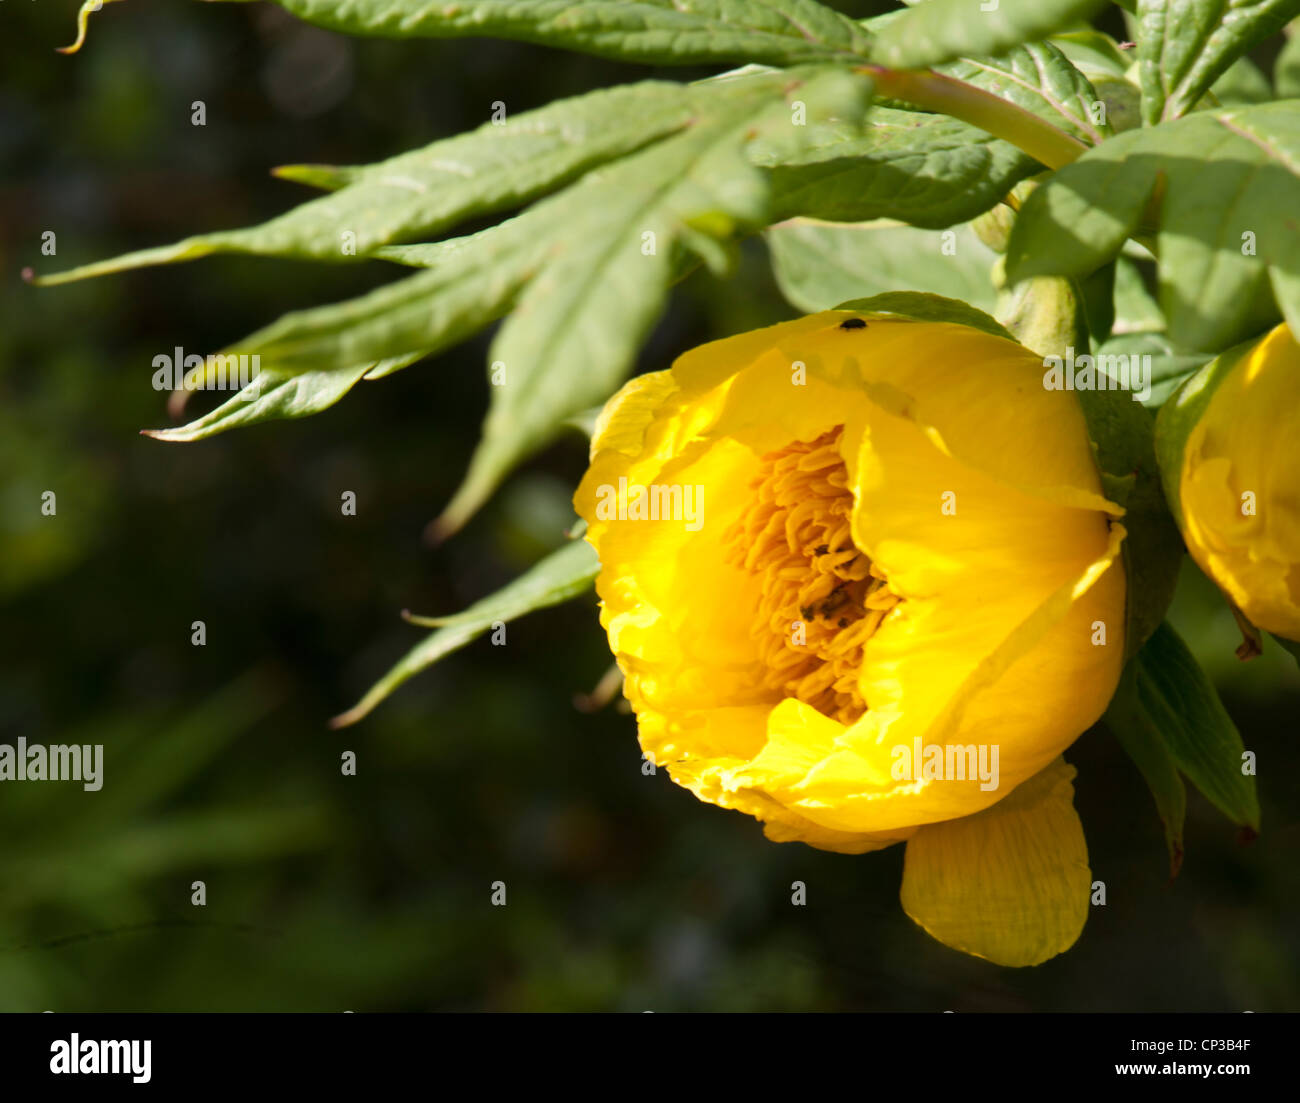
{"points": [[821, 597]]}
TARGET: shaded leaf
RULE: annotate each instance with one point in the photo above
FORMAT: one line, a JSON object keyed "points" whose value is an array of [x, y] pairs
{"points": [[1091, 52], [1292, 647], [819, 264], [1286, 70], [1184, 707], [925, 307], [1168, 366], [1137, 734], [1242, 82], [1135, 310]]}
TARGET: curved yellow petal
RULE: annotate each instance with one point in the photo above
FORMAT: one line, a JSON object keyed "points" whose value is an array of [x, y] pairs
{"points": [[1011, 883], [1238, 491], [1024, 698]]}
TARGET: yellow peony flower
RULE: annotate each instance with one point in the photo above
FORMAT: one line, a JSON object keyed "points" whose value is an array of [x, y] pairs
{"points": [[1229, 442], [863, 584]]}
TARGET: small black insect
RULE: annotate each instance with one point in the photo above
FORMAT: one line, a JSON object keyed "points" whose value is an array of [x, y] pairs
{"points": [[853, 323], [831, 602]]}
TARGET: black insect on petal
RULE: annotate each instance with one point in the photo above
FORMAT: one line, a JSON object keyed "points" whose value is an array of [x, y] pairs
{"points": [[853, 323]]}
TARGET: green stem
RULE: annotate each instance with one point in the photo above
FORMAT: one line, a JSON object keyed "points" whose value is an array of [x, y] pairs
{"points": [[1001, 118]]}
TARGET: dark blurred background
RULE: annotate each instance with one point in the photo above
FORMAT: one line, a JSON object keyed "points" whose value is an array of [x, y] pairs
{"points": [[371, 892]]}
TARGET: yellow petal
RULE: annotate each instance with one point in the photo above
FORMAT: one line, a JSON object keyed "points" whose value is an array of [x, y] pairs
{"points": [[1029, 693], [1011, 883], [780, 823], [1239, 496]]}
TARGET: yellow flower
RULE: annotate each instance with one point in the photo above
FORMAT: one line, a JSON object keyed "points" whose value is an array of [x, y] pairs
{"points": [[863, 584], [1229, 442]]}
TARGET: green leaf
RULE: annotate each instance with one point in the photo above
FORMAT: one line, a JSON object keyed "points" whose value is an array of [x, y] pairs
{"points": [[470, 282], [422, 193], [1286, 70], [585, 421], [1135, 310], [324, 177], [1184, 46], [1292, 647], [1092, 52], [928, 169], [1222, 188], [1133, 726], [561, 575], [1183, 706], [1097, 300], [276, 395], [1168, 368], [923, 307], [1242, 82], [819, 264], [941, 30], [1098, 57], [1042, 80], [664, 32]]}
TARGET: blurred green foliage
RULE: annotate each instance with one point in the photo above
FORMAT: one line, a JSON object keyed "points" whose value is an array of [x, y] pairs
{"points": [[327, 892]]}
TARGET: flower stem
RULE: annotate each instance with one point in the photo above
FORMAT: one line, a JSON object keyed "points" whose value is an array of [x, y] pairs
{"points": [[1001, 118]]}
